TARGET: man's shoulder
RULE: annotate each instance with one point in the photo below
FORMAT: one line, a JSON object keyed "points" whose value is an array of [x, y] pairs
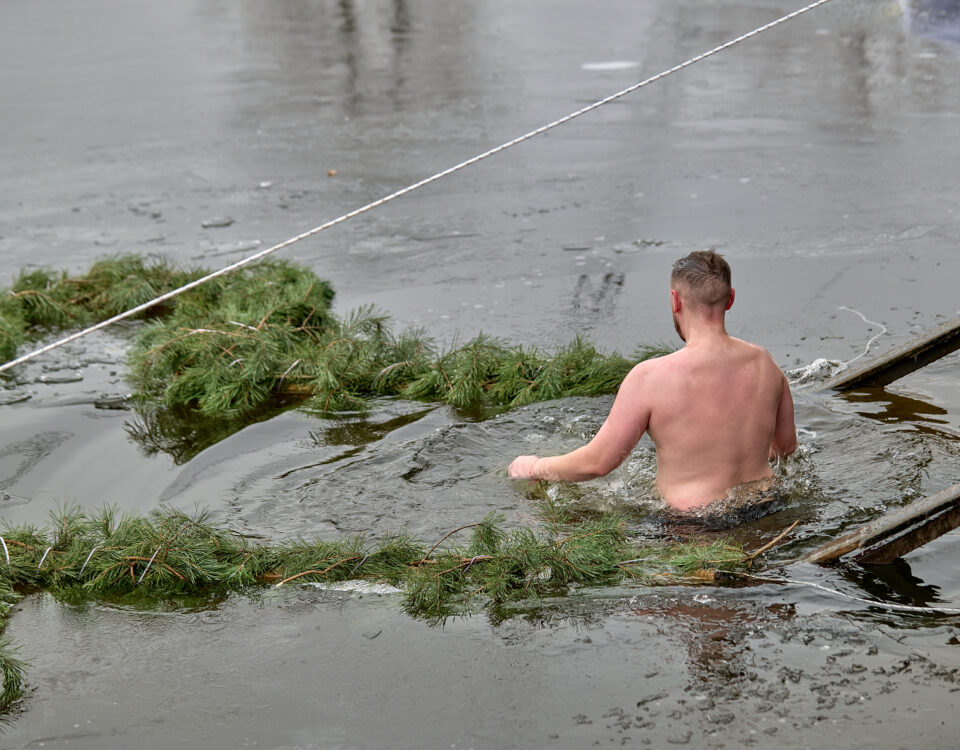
{"points": [[750, 345], [652, 368], [664, 361], [755, 350], [768, 365]]}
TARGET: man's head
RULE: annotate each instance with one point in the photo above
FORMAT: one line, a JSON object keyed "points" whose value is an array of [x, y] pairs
{"points": [[700, 282]]}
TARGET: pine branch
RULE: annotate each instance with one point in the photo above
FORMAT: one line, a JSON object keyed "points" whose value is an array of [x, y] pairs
{"points": [[168, 553], [247, 341]]}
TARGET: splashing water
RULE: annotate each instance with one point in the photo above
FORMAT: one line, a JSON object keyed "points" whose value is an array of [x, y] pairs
{"points": [[816, 372]]}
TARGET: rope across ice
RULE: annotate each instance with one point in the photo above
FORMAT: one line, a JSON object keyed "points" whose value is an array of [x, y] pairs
{"points": [[409, 189]]}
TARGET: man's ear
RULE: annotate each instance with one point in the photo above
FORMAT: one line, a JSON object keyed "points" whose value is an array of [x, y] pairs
{"points": [[674, 301], [732, 295]]}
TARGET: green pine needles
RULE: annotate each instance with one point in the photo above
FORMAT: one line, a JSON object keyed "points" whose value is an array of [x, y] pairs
{"points": [[11, 668], [266, 333], [167, 554]]}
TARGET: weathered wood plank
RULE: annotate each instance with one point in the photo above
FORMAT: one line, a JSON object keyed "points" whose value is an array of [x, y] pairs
{"points": [[902, 360], [898, 532]]}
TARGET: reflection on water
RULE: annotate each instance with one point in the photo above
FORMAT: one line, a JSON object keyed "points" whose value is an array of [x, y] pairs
{"points": [[591, 670], [353, 59], [937, 19], [351, 430], [713, 631], [183, 433], [888, 407], [19, 459], [893, 582]]}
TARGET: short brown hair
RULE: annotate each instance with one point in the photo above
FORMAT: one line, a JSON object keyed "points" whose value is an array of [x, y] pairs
{"points": [[704, 273]]}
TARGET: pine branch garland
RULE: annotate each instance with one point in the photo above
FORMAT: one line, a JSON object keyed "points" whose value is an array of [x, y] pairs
{"points": [[245, 341], [169, 554]]}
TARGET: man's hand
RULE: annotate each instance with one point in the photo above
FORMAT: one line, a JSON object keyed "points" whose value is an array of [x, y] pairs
{"points": [[522, 467]]}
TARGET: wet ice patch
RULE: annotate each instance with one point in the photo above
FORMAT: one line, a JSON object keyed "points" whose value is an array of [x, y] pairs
{"points": [[61, 378], [13, 397], [216, 222], [113, 401], [358, 587], [211, 249], [610, 65]]}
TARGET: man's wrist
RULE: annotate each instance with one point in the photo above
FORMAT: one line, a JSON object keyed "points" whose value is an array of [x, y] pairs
{"points": [[535, 469]]}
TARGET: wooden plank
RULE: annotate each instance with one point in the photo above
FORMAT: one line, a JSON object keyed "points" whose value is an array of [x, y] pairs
{"points": [[896, 533], [903, 360]]}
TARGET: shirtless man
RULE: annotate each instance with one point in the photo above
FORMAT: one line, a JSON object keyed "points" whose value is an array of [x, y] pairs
{"points": [[717, 410]]}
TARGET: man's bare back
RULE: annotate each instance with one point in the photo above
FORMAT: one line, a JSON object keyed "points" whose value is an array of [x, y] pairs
{"points": [[716, 410], [713, 418]]}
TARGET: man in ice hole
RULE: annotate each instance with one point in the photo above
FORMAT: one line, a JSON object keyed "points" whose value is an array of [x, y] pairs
{"points": [[717, 410]]}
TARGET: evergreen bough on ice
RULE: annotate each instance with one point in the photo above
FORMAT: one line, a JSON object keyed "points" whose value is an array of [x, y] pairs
{"points": [[245, 340], [106, 555]]}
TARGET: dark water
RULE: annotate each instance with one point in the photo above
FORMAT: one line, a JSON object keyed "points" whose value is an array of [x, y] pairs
{"points": [[820, 158]]}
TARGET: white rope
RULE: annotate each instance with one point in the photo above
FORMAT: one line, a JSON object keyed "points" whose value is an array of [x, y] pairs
{"points": [[870, 342], [409, 189], [44, 557], [359, 563], [149, 564], [287, 371], [87, 560], [871, 602]]}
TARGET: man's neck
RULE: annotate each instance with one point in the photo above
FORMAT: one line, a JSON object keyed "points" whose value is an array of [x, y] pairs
{"points": [[700, 331]]}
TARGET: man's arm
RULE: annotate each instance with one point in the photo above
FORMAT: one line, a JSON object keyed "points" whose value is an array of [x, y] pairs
{"points": [[785, 432], [613, 442]]}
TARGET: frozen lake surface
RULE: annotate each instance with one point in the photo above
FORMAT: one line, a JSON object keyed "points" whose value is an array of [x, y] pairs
{"points": [[820, 158]]}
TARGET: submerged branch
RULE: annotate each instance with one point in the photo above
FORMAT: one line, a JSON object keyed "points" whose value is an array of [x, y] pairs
{"points": [[442, 540], [770, 545], [316, 572]]}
